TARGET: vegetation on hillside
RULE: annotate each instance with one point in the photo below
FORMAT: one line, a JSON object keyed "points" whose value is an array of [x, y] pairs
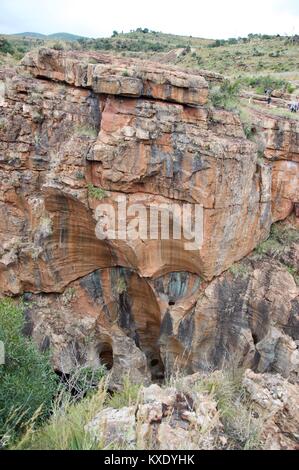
{"points": [[264, 54]]}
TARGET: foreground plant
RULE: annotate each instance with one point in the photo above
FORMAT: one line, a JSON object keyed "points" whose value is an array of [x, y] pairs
{"points": [[27, 380]]}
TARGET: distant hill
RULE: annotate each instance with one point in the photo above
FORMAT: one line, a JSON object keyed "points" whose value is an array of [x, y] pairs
{"points": [[58, 36], [31, 35], [65, 36]]}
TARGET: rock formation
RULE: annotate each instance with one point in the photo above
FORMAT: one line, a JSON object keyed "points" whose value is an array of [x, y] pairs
{"points": [[187, 416], [75, 128]]}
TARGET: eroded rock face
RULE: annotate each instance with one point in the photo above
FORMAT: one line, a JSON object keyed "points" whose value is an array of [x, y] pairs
{"points": [[278, 402], [279, 140], [186, 417], [250, 314], [60, 137], [165, 419], [70, 122]]}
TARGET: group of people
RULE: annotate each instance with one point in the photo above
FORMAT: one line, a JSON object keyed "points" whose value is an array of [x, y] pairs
{"points": [[293, 107]]}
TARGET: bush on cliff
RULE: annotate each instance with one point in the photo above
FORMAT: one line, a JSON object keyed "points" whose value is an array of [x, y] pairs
{"points": [[262, 82], [27, 381], [226, 95]]}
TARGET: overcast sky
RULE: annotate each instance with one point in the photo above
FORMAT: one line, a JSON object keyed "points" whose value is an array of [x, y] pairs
{"points": [[201, 18]]}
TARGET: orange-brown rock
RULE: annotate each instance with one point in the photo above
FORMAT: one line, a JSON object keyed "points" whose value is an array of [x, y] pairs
{"points": [[279, 140], [75, 128]]}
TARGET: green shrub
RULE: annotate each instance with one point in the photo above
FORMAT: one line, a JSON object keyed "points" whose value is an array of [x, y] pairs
{"points": [[284, 233], [79, 175], [226, 95], [2, 124], [239, 270], [261, 83], [6, 46], [247, 123], [27, 381], [96, 193], [58, 46], [293, 271], [87, 131], [281, 235], [121, 286]]}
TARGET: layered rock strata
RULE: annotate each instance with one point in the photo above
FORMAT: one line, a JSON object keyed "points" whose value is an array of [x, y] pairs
{"points": [[77, 128]]}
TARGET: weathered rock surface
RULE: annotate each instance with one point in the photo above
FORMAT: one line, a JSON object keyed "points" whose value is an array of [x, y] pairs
{"points": [[59, 137], [112, 76], [279, 140], [165, 419], [183, 417], [70, 122], [250, 314], [277, 401], [178, 322]]}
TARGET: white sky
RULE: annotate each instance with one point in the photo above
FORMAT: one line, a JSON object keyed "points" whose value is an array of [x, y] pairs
{"points": [[201, 18]]}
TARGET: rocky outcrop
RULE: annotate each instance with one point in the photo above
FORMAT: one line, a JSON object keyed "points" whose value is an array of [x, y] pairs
{"points": [[193, 414], [277, 401], [57, 136], [278, 141], [249, 314], [165, 419], [111, 76], [78, 128]]}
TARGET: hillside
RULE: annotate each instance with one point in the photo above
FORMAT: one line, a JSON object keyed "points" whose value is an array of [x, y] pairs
{"points": [[256, 54]]}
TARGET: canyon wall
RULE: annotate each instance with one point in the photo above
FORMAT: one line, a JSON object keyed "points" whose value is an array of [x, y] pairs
{"points": [[76, 128]]}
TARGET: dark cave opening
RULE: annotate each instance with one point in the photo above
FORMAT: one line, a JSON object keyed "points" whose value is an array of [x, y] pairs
{"points": [[154, 362], [255, 339], [106, 355]]}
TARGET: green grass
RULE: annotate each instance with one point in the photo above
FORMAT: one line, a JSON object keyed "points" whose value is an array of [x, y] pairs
{"points": [[279, 112], [65, 429], [281, 235], [243, 431], [239, 270], [96, 193], [87, 131], [128, 396]]}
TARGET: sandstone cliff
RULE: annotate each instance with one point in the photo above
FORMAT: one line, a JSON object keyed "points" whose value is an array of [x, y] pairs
{"points": [[71, 123]]}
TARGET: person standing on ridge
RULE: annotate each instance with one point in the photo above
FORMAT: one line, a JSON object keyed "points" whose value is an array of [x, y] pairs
{"points": [[269, 92]]}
